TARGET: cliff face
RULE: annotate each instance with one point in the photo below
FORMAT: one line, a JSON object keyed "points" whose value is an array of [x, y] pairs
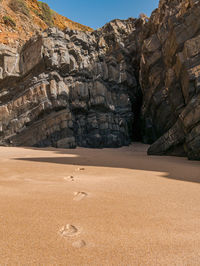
{"points": [[169, 77], [71, 88], [20, 19], [133, 79]]}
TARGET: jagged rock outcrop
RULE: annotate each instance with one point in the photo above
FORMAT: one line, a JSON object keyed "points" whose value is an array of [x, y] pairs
{"points": [[169, 77], [132, 79], [71, 88]]}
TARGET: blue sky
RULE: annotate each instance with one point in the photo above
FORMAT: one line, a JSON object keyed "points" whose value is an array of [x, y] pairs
{"points": [[96, 13]]}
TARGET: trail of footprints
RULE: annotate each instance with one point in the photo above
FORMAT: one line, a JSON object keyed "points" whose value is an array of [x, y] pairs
{"points": [[70, 230], [71, 177]]}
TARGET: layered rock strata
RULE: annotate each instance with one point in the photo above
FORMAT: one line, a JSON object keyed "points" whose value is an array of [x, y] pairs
{"points": [[170, 79], [70, 88]]}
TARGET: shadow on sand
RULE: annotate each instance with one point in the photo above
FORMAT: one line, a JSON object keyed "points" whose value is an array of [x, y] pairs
{"points": [[132, 157]]}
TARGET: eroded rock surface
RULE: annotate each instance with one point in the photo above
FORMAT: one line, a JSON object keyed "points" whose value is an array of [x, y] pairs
{"points": [[132, 79], [170, 79], [71, 88]]}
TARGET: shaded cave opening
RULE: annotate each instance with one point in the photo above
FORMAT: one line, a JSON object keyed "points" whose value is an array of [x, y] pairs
{"points": [[137, 120], [136, 97]]}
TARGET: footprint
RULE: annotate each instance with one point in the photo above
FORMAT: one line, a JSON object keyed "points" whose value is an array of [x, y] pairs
{"points": [[81, 169], [79, 196], [69, 178], [79, 244], [68, 230]]}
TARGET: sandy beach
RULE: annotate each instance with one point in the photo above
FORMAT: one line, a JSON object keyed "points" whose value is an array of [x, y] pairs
{"points": [[98, 207]]}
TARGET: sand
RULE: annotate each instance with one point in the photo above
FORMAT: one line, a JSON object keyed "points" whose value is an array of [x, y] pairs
{"points": [[98, 207]]}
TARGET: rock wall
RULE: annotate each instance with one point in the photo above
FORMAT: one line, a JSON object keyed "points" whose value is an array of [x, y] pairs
{"points": [[71, 88], [170, 79], [132, 79]]}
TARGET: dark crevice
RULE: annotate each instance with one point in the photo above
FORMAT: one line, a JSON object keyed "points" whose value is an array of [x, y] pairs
{"points": [[136, 109]]}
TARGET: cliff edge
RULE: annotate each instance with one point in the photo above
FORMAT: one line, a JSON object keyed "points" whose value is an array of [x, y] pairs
{"points": [[21, 19]]}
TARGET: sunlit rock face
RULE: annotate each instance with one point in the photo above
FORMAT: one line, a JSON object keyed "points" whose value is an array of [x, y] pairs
{"points": [[71, 88], [136, 79], [170, 79]]}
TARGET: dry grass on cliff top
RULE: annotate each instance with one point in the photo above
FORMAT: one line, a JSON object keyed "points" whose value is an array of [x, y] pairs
{"points": [[20, 19]]}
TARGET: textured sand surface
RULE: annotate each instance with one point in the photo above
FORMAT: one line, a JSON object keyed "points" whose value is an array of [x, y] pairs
{"points": [[98, 207]]}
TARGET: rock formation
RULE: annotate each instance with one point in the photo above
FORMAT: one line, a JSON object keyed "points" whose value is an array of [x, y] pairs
{"points": [[170, 79], [70, 88], [132, 79]]}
